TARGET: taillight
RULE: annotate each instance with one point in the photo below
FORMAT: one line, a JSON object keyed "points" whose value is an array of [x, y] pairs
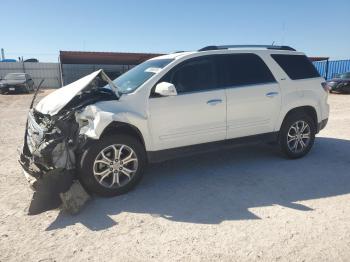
{"points": [[325, 86]]}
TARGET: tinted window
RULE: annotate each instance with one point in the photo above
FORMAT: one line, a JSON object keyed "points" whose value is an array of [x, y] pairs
{"points": [[243, 69], [296, 66], [193, 75]]}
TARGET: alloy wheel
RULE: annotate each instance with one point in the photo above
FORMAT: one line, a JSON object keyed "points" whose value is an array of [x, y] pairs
{"points": [[299, 136], [115, 166]]}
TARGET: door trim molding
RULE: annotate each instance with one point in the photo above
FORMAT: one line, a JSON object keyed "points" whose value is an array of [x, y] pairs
{"points": [[166, 154]]}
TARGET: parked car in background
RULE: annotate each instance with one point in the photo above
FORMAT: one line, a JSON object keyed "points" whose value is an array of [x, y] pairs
{"points": [[31, 60], [340, 83], [15, 82]]}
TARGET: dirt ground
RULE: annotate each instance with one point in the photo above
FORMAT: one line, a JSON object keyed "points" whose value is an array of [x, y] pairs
{"points": [[245, 204]]}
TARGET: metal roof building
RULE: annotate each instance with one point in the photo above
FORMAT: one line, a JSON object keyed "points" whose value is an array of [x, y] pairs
{"points": [[76, 64]]}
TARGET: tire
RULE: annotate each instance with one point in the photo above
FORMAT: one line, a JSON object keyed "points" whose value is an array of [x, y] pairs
{"points": [[26, 89], [93, 161], [288, 132]]}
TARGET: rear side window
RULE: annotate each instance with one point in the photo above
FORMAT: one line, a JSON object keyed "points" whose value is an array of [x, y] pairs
{"points": [[243, 69], [193, 75], [296, 66]]}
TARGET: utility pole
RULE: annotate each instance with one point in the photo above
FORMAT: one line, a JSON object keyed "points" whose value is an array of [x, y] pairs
{"points": [[2, 54]]}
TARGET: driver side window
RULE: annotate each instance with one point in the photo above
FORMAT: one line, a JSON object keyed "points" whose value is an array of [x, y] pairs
{"points": [[194, 75]]}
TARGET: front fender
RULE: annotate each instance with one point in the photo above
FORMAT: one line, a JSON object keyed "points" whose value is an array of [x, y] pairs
{"points": [[94, 119]]}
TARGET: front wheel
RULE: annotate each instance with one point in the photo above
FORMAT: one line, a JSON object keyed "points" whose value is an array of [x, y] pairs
{"points": [[297, 135], [112, 165]]}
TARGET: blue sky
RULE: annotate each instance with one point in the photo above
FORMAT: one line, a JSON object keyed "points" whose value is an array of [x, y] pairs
{"points": [[41, 28]]}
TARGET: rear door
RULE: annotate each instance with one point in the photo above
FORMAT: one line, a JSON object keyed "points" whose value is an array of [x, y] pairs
{"points": [[197, 114], [253, 95]]}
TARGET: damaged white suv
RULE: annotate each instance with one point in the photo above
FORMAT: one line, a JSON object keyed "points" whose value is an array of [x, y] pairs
{"points": [[105, 132]]}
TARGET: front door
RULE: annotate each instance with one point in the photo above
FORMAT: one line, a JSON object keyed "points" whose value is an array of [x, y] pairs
{"points": [[197, 114]]}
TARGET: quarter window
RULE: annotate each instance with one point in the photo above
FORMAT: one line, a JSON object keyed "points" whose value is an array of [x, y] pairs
{"points": [[296, 66], [243, 69]]}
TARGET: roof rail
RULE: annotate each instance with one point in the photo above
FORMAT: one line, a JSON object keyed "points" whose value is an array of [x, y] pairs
{"points": [[219, 47]]}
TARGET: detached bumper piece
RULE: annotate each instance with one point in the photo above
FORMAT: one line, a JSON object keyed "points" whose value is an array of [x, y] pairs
{"points": [[47, 191]]}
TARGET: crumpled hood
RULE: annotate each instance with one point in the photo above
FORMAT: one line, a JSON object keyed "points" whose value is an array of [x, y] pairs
{"points": [[54, 102]]}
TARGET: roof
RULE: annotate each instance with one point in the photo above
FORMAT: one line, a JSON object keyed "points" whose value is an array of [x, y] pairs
{"points": [[273, 47], [318, 58], [257, 50], [109, 58]]}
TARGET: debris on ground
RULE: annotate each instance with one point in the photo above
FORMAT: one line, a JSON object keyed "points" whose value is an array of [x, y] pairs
{"points": [[74, 199]]}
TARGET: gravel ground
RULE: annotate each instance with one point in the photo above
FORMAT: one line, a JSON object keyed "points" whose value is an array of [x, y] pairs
{"points": [[244, 204]]}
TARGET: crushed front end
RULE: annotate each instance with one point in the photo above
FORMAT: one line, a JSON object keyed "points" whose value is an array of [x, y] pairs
{"points": [[53, 141], [48, 157], [49, 144]]}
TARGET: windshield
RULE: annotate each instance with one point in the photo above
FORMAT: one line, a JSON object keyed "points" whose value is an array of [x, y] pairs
{"points": [[135, 77], [15, 77]]}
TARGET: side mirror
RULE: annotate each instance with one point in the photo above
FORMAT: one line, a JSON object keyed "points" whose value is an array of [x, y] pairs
{"points": [[165, 89]]}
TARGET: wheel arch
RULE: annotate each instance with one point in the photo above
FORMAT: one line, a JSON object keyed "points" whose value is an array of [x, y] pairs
{"points": [[307, 109], [117, 127]]}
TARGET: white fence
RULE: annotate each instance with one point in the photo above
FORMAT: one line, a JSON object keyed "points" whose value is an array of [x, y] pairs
{"points": [[48, 71]]}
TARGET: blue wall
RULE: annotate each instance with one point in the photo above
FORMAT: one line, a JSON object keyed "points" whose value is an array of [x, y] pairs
{"points": [[334, 67]]}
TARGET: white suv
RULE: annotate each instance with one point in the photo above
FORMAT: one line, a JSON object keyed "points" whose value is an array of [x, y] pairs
{"points": [[175, 105]]}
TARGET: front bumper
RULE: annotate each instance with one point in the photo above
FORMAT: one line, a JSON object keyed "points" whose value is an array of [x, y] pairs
{"points": [[46, 149], [46, 182]]}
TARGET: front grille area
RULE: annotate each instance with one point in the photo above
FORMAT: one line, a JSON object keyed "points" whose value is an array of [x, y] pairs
{"points": [[35, 133]]}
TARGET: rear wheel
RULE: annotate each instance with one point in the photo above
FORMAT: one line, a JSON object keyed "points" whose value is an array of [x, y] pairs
{"points": [[297, 135], [112, 165]]}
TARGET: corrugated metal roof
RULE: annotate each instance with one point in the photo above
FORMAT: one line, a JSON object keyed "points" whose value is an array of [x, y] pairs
{"points": [[318, 58], [117, 58], [108, 58]]}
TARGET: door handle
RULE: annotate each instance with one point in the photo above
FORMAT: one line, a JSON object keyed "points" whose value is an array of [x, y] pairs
{"points": [[272, 94], [214, 101]]}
